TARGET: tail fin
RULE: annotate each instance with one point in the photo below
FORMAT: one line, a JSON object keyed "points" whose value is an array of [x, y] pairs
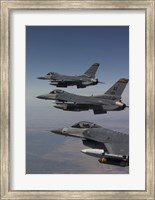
{"points": [[118, 88], [92, 70]]}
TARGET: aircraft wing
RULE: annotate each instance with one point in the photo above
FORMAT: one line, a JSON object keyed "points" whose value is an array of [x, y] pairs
{"points": [[82, 100], [117, 148], [66, 80], [98, 105], [115, 143]]}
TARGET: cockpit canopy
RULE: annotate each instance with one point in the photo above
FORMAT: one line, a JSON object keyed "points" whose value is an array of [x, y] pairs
{"points": [[85, 124], [56, 91], [51, 73]]}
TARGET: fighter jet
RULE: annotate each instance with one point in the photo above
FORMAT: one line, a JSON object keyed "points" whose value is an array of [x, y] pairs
{"points": [[100, 104], [82, 81], [110, 147]]}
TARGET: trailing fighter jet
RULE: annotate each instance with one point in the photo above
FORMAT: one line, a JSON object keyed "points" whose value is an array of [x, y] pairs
{"points": [[111, 147], [82, 81], [100, 104]]}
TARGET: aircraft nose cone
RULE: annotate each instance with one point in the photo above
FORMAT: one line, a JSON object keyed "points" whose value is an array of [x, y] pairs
{"points": [[41, 77], [58, 131], [41, 97]]}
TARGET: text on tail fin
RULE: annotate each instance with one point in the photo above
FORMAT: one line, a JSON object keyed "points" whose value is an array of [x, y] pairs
{"points": [[118, 88], [92, 70]]}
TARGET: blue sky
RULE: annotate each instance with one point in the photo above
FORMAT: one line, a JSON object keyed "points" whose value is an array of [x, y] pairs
{"points": [[72, 50]]}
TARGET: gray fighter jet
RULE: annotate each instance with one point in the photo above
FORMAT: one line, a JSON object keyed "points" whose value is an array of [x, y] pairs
{"points": [[82, 81], [111, 147], [100, 104]]}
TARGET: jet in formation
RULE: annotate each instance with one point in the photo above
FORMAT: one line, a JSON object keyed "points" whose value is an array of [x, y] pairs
{"points": [[110, 147], [82, 81], [100, 104]]}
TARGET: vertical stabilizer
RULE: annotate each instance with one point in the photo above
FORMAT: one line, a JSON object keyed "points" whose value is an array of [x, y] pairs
{"points": [[118, 88], [92, 70]]}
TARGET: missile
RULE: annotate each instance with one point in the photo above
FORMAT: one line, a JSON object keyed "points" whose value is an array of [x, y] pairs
{"points": [[93, 152], [102, 154]]}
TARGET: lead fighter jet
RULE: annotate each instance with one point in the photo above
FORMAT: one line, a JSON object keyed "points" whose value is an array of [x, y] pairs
{"points": [[82, 81], [111, 147], [100, 104]]}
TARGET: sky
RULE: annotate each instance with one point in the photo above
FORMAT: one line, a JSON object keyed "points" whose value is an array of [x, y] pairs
{"points": [[71, 50]]}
